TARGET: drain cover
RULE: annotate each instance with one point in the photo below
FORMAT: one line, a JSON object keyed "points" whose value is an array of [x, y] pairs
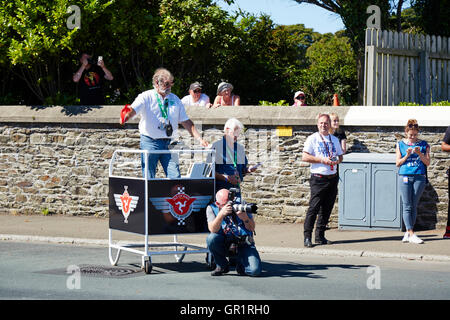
{"points": [[107, 271], [89, 270]]}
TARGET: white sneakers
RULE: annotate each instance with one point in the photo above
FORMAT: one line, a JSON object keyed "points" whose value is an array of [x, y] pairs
{"points": [[415, 239], [411, 239], [406, 237]]}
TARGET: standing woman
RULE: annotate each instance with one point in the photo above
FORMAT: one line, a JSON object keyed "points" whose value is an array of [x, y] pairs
{"points": [[413, 156], [338, 132]]}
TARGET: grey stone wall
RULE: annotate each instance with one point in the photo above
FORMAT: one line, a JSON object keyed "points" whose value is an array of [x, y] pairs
{"points": [[60, 163]]}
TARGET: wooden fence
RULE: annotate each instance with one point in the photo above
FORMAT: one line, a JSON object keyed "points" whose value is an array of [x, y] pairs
{"points": [[403, 67]]}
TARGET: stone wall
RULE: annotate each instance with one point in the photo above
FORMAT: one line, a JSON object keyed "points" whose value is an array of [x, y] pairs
{"points": [[56, 159]]}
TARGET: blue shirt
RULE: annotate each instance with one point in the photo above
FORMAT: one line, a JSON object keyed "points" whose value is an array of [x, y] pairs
{"points": [[229, 161], [413, 164]]}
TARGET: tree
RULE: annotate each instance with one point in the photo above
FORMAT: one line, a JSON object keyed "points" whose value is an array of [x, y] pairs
{"points": [[354, 16], [332, 70], [196, 41], [433, 16], [35, 40]]}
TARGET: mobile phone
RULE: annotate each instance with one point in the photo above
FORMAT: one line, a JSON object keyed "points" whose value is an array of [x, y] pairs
{"points": [[100, 58]]}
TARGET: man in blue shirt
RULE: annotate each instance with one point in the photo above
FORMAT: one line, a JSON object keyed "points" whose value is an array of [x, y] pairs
{"points": [[231, 161]]}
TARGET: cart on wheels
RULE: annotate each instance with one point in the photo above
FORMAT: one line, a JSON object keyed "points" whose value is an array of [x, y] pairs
{"points": [[159, 206]]}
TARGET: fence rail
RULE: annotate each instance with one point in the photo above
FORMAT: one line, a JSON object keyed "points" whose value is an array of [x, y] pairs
{"points": [[403, 67]]}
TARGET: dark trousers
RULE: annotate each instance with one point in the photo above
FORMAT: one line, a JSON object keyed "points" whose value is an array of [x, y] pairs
{"points": [[321, 202]]}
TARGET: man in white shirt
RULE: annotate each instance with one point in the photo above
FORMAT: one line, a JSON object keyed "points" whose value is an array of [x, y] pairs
{"points": [[196, 97], [161, 111], [324, 152]]}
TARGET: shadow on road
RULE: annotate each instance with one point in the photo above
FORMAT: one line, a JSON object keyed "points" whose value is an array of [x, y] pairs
{"points": [[282, 269]]}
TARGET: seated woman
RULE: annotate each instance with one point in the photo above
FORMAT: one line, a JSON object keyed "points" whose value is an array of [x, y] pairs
{"points": [[224, 96]]}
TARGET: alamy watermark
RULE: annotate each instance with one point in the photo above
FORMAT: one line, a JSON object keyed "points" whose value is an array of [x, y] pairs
{"points": [[374, 279], [73, 281], [74, 20]]}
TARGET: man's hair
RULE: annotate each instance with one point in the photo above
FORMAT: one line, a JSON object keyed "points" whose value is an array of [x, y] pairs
{"points": [[320, 115], [232, 124], [162, 74]]}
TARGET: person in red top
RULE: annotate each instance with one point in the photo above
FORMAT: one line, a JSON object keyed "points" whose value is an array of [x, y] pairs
{"points": [[446, 147]]}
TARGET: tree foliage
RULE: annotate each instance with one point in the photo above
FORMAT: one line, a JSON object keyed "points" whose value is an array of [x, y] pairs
{"points": [[332, 70], [195, 39]]}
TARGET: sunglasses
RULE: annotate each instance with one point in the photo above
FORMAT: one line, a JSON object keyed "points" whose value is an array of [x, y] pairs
{"points": [[197, 91], [165, 84], [415, 126], [300, 98]]}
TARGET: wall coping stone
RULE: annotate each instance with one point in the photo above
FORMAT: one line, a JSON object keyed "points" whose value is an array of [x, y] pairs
{"points": [[427, 116]]}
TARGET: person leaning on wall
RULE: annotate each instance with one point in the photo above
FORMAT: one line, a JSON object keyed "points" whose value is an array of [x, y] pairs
{"points": [[225, 97], [299, 99], [445, 146]]}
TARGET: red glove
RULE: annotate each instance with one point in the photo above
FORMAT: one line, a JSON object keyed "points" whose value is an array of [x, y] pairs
{"points": [[124, 111]]}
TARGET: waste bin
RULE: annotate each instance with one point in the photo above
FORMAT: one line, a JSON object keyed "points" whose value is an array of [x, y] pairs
{"points": [[368, 192]]}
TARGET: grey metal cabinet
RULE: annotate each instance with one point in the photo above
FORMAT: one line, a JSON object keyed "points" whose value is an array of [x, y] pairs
{"points": [[368, 192]]}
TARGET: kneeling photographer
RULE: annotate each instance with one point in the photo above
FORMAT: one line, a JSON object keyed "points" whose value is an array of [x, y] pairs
{"points": [[232, 227]]}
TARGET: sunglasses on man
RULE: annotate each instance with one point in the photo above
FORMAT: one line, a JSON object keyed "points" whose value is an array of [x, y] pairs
{"points": [[300, 98]]}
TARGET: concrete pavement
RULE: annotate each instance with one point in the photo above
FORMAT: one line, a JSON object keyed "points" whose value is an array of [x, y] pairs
{"points": [[270, 237]]}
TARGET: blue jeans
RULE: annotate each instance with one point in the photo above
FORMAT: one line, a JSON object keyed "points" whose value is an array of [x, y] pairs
{"points": [[168, 161], [411, 191], [247, 255]]}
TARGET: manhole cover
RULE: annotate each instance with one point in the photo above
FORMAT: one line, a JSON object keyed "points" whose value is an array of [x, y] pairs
{"points": [[106, 271], [99, 271]]}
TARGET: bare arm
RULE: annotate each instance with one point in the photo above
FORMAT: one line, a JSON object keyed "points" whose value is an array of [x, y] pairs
{"points": [[216, 224], [445, 147], [189, 126]]}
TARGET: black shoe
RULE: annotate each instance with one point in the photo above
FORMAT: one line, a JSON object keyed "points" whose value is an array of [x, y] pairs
{"points": [[240, 269], [307, 243], [322, 240], [219, 271]]}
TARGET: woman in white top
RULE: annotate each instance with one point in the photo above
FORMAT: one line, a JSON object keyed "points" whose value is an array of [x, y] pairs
{"points": [[224, 96], [196, 97]]}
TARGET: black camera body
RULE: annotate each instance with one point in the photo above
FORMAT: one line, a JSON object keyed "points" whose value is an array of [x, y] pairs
{"points": [[92, 60], [167, 127], [244, 207]]}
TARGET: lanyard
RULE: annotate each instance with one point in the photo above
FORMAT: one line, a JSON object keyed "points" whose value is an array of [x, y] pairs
{"points": [[326, 146], [234, 159], [163, 107]]}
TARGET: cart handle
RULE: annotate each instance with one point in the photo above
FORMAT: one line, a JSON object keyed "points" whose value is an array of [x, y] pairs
{"points": [[146, 152]]}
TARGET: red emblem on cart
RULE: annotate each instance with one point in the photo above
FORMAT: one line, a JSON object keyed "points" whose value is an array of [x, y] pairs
{"points": [[181, 205], [126, 203]]}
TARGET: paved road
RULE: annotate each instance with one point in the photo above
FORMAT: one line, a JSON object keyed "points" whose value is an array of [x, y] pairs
{"points": [[39, 271]]}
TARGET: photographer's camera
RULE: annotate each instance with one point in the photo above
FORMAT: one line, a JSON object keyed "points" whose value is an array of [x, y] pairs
{"points": [[244, 207]]}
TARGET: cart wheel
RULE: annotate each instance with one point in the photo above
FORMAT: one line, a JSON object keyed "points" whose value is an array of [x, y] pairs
{"points": [[148, 267], [179, 259]]}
